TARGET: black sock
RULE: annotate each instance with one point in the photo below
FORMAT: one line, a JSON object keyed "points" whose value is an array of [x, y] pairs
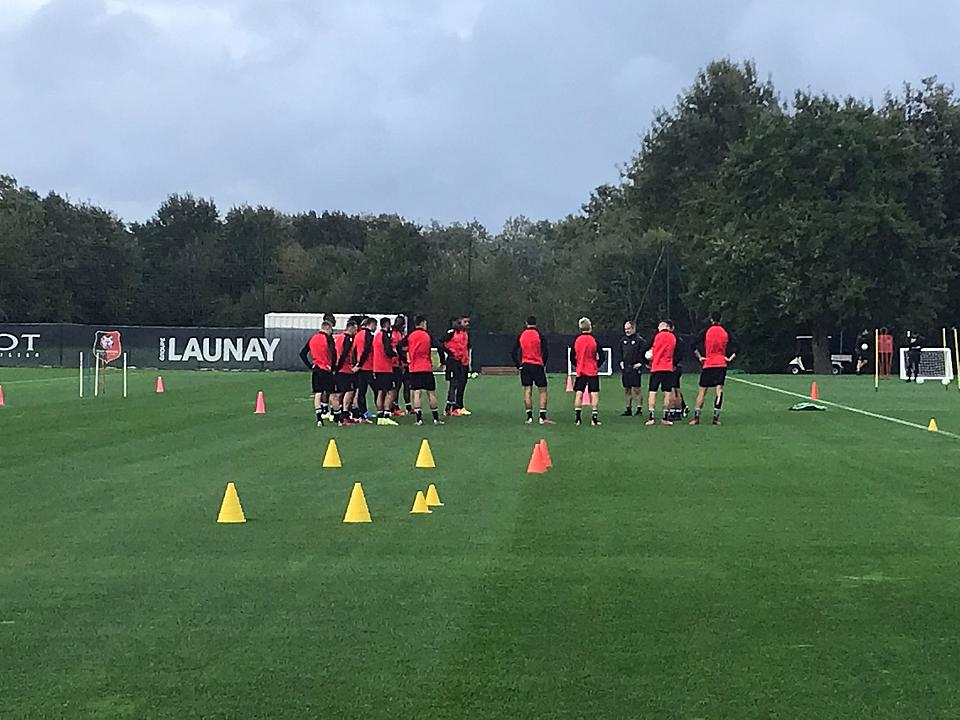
{"points": [[409, 407], [529, 414], [436, 414], [578, 414], [419, 415], [595, 416], [716, 413], [319, 412], [629, 410], [696, 413], [543, 413]]}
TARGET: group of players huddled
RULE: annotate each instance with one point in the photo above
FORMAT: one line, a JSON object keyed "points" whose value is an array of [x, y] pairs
{"points": [[383, 358], [714, 349]]}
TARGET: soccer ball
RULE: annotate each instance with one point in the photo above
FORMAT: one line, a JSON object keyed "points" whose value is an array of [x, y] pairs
{"points": [[919, 381], [648, 355], [864, 347], [474, 375]]}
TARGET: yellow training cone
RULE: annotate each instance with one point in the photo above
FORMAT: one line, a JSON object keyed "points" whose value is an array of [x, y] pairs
{"points": [[230, 510], [425, 456], [420, 505], [433, 497], [932, 427], [332, 457], [357, 510]]}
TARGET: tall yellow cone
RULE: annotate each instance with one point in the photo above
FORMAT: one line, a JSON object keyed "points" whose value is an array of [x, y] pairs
{"points": [[230, 510], [357, 510], [332, 458], [433, 497], [420, 506], [932, 427], [425, 456]]}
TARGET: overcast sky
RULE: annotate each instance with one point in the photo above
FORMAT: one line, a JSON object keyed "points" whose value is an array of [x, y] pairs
{"points": [[434, 109]]}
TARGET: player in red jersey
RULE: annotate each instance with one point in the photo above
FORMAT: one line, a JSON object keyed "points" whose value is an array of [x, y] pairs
{"points": [[400, 369], [465, 341], [678, 404], [344, 378], [332, 319], [712, 351], [662, 369], [417, 346], [457, 345], [586, 360], [530, 356], [383, 355], [363, 343], [320, 356]]}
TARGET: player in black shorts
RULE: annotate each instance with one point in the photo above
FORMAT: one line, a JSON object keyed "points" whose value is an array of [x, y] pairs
{"points": [[631, 365], [678, 405]]}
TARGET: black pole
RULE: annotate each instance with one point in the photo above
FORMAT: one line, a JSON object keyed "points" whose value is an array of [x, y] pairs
{"points": [[263, 290], [667, 253], [470, 271]]}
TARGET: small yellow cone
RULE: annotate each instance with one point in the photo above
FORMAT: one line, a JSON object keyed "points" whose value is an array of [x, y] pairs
{"points": [[932, 427], [425, 456], [433, 497], [230, 510], [332, 457], [357, 510], [420, 505]]}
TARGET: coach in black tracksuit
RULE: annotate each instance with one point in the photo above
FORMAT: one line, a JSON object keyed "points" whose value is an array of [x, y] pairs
{"points": [[631, 361], [914, 350]]}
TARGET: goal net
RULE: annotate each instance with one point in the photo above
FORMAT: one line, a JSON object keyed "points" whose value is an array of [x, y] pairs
{"points": [[606, 366], [935, 364]]}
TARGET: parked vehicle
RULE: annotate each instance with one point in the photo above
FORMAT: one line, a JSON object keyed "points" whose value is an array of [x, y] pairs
{"points": [[803, 358]]}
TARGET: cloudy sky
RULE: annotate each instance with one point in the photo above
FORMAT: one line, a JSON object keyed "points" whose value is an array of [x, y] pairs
{"points": [[435, 109]]}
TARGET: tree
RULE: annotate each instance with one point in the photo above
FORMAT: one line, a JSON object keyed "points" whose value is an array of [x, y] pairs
{"points": [[685, 146], [23, 251], [812, 224], [182, 254]]}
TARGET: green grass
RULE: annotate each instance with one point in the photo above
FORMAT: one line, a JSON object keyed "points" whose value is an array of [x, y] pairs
{"points": [[783, 565]]}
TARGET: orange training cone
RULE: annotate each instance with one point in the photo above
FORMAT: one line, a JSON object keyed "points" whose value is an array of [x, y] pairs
{"points": [[814, 395], [159, 384], [569, 383], [537, 464], [261, 408], [1, 395], [545, 452]]}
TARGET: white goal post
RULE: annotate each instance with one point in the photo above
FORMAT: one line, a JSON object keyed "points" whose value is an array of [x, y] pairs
{"points": [[935, 364], [606, 369]]}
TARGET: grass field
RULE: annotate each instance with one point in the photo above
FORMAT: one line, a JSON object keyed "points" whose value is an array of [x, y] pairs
{"points": [[783, 565]]}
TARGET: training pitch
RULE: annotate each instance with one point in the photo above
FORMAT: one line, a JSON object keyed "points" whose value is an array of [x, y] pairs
{"points": [[783, 565]]}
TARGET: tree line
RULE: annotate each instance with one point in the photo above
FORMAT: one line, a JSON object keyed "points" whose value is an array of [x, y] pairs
{"points": [[811, 215]]}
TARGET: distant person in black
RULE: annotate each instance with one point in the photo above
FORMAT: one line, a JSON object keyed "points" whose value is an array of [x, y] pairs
{"points": [[914, 346], [862, 350], [631, 364]]}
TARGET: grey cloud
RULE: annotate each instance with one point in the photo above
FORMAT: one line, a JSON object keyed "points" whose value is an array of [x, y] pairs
{"points": [[446, 110]]}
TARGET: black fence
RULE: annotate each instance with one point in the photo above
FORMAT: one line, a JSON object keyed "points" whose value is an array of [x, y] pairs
{"points": [[250, 348]]}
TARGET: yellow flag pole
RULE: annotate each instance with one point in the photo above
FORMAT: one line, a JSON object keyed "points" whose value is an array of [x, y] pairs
{"points": [[876, 360], [956, 356]]}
